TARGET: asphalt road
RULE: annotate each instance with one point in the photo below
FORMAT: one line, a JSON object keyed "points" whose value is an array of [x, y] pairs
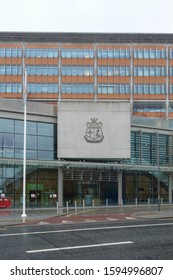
{"points": [[129, 240]]}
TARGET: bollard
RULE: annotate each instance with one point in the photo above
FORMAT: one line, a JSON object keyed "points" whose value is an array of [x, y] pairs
{"points": [[83, 204], [93, 203], [148, 201], [67, 206], [107, 202], [57, 208], [121, 202], [161, 200], [136, 201], [75, 203]]}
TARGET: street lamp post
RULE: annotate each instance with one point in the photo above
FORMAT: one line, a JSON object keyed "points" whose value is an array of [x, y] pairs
{"points": [[24, 146], [158, 182]]}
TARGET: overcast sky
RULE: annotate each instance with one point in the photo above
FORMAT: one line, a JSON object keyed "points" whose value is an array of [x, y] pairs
{"points": [[139, 16]]}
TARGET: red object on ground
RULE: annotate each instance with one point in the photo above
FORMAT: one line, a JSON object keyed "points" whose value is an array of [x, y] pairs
{"points": [[5, 202]]}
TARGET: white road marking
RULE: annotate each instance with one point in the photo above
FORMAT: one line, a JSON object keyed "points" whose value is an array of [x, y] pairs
{"points": [[130, 218], [43, 223], [79, 247], [85, 229], [68, 222], [88, 221], [112, 219]]}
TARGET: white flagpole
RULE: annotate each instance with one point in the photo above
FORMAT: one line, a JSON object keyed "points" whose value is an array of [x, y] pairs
{"points": [[24, 146]]}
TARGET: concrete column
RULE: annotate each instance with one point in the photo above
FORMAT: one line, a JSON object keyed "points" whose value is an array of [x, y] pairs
{"points": [[170, 187], [60, 190], [120, 187]]}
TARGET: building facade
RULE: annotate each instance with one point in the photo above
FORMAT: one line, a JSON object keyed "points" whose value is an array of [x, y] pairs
{"points": [[97, 68]]}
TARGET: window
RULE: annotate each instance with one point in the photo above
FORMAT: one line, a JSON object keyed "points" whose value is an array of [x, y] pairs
{"points": [[2, 87], [42, 88], [114, 53], [113, 88], [2, 69], [2, 52], [150, 71], [149, 89], [113, 71], [42, 70], [78, 88], [146, 71], [153, 89], [110, 89], [146, 89], [77, 53], [150, 53], [41, 52], [77, 70], [146, 54], [140, 71]]}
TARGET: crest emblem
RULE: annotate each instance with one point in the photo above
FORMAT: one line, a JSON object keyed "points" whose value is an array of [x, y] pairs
{"points": [[94, 132]]}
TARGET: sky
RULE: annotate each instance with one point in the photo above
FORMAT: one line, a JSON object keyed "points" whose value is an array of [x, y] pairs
{"points": [[108, 16]]}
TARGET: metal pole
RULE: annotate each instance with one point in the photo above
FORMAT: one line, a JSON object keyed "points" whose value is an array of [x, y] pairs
{"points": [[24, 148], [158, 165]]}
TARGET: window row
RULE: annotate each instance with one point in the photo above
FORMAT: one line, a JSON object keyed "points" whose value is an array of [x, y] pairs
{"points": [[31, 88], [10, 87], [150, 53], [77, 53], [10, 52], [9, 140], [85, 88], [78, 88], [30, 154], [149, 109], [10, 69], [77, 70], [42, 88], [32, 128], [149, 89], [39, 52], [150, 71], [113, 88], [46, 70], [113, 53], [114, 71], [85, 53]]}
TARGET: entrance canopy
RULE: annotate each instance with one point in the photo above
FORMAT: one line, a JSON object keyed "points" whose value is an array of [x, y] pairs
{"points": [[88, 165]]}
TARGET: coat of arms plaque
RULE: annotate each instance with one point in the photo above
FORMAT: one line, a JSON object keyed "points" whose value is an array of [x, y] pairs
{"points": [[94, 132]]}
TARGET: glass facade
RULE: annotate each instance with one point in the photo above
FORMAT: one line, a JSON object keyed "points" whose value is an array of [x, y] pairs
{"points": [[41, 140], [62, 70], [147, 149]]}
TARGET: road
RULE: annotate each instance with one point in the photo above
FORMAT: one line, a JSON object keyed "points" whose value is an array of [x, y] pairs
{"points": [[123, 240]]}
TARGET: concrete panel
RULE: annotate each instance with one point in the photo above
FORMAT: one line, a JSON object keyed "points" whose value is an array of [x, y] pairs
{"points": [[93, 130]]}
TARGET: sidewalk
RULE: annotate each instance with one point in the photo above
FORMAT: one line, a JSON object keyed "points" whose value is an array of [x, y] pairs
{"points": [[9, 217]]}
